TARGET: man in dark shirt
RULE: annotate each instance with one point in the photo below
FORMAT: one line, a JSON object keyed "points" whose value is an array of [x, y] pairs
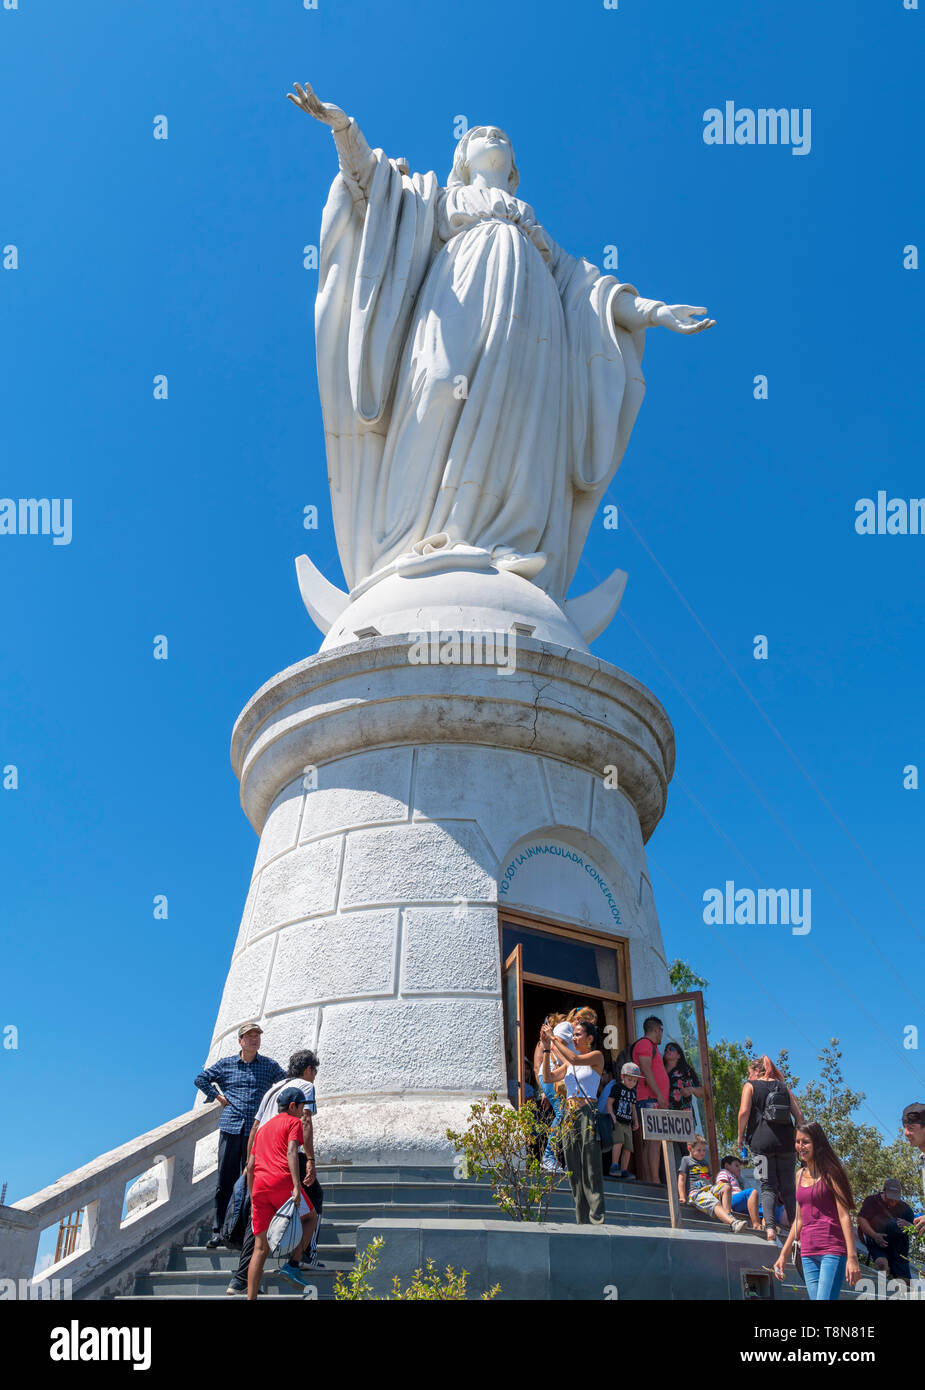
{"points": [[880, 1222], [238, 1083]]}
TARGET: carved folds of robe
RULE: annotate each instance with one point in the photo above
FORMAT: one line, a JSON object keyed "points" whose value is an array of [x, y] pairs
{"points": [[473, 379]]}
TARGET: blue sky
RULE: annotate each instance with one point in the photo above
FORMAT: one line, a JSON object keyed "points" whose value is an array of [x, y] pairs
{"points": [[183, 257]]}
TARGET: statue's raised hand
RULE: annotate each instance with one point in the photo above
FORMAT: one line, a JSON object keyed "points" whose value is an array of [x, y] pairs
{"points": [[321, 110], [679, 318]]}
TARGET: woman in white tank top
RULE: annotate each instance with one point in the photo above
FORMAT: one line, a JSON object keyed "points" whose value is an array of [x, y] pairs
{"points": [[580, 1071]]}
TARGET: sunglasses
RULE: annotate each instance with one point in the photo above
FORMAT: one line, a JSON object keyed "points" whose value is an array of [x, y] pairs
{"points": [[915, 1117]]}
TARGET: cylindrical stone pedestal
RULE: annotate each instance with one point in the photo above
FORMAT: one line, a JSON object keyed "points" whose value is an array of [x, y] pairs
{"points": [[398, 806]]}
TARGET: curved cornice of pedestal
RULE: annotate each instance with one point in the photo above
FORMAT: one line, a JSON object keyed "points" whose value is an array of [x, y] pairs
{"points": [[558, 703]]}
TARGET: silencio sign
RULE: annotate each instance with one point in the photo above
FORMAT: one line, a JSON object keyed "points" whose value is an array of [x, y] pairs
{"points": [[677, 1125]]}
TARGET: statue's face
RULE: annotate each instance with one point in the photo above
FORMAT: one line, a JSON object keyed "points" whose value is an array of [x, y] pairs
{"points": [[490, 153]]}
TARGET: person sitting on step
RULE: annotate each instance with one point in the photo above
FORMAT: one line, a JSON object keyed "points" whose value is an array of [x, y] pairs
{"points": [[696, 1186]]}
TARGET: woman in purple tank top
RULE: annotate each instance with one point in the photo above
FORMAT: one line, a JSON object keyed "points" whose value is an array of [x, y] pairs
{"points": [[823, 1221]]}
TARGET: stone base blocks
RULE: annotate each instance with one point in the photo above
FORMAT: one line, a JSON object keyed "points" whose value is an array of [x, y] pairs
{"points": [[391, 800]]}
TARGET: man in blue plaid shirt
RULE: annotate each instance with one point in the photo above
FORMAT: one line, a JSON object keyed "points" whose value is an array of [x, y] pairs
{"points": [[239, 1084]]}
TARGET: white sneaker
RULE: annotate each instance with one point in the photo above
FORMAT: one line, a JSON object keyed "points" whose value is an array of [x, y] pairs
{"points": [[738, 1226]]}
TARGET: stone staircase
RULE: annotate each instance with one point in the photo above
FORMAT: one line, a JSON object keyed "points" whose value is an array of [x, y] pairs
{"points": [[194, 1272], [353, 1196]]}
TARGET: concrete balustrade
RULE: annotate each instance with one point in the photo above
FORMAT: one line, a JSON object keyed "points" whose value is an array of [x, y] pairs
{"points": [[109, 1247]]}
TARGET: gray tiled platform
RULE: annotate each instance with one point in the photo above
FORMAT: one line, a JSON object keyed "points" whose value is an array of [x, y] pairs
{"points": [[425, 1212], [558, 1260]]}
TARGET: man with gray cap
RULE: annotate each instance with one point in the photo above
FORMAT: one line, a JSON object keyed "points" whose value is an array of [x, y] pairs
{"points": [[238, 1083], [881, 1224]]}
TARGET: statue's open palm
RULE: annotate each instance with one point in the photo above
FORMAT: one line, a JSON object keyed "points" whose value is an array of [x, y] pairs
{"points": [[679, 318], [321, 110]]}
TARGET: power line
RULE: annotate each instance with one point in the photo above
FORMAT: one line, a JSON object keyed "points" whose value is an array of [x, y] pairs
{"points": [[772, 726]]}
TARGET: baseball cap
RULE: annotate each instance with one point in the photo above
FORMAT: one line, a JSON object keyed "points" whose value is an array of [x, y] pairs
{"points": [[892, 1189], [910, 1112], [289, 1094], [630, 1069], [249, 1028]]}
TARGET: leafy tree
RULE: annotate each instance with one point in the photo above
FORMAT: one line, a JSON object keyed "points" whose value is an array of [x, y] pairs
{"points": [[683, 981], [729, 1063], [868, 1161], [783, 1066], [728, 1060]]}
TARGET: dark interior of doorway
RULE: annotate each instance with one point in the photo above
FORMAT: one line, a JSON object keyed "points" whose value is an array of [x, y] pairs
{"points": [[541, 1000]]}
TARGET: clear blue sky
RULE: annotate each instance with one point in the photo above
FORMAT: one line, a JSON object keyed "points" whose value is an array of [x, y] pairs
{"points": [[183, 257]]}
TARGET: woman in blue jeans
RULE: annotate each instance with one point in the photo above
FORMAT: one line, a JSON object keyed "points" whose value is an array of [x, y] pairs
{"points": [[823, 1222]]}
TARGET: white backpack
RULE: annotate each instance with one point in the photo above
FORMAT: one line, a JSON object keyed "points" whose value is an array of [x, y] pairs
{"points": [[285, 1230]]}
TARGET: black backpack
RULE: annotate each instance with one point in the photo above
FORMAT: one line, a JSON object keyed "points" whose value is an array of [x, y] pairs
{"points": [[237, 1214], [775, 1109]]}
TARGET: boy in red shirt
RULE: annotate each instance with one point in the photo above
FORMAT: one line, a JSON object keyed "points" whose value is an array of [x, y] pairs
{"points": [[273, 1177]]}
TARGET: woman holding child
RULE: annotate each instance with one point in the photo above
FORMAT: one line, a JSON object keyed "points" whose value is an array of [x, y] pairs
{"points": [[580, 1072]]}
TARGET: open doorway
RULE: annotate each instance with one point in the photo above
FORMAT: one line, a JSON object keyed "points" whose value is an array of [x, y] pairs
{"points": [[552, 968], [542, 1000], [548, 969]]}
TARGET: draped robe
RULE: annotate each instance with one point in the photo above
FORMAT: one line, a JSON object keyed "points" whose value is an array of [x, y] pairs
{"points": [[473, 378]]}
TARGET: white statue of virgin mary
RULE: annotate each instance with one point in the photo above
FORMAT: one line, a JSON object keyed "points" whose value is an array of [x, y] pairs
{"points": [[478, 384]]}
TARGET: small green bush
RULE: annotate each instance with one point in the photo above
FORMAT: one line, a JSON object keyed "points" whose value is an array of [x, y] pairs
{"points": [[429, 1285], [498, 1145]]}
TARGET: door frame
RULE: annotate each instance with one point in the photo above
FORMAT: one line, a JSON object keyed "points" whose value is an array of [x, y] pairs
{"points": [[619, 944], [593, 937], [515, 963]]}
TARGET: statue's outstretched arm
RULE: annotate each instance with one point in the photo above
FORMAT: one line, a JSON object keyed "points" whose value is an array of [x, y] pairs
{"points": [[632, 312], [357, 161]]}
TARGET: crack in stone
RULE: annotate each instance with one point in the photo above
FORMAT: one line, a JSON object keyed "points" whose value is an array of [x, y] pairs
{"points": [[536, 705], [559, 703]]}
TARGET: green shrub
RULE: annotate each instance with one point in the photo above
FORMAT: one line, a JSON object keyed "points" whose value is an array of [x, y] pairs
{"points": [[498, 1145], [427, 1284]]}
